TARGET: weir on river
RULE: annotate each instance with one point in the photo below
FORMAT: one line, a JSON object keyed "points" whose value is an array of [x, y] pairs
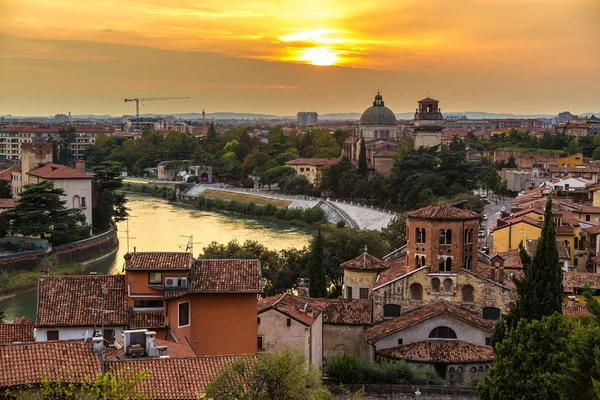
{"points": [[158, 225]]}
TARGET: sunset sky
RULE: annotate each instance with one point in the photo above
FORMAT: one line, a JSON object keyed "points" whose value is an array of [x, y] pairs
{"points": [[281, 57]]}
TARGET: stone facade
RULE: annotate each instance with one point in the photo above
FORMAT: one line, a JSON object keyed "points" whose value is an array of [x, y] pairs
{"points": [[340, 338]]}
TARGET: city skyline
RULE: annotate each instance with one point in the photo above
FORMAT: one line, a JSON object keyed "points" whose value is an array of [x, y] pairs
{"points": [[514, 57]]}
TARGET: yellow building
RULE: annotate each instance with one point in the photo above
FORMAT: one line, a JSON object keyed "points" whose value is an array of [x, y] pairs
{"points": [[312, 168], [570, 161]]}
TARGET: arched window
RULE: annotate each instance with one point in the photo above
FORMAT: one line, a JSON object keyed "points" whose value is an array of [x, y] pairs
{"points": [[391, 311], [491, 313], [448, 264], [447, 285], [449, 236], [468, 263], [468, 294], [435, 284], [76, 202], [418, 235], [422, 261], [442, 332], [416, 291], [423, 238], [442, 237], [418, 261]]}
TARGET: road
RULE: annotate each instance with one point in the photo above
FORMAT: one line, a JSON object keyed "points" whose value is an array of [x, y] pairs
{"points": [[492, 211]]}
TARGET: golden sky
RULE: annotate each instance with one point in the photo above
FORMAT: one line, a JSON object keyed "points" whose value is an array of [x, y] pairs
{"points": [[281, 57]]}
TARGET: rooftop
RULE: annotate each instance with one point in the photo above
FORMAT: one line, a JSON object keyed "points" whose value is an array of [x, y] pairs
{"points": [[397, 268], [226, 276], [348, 312], [563, 250], [442, 211], [294, 307], [315, 162], [10, 333], [365, 262], [157, 261], [440, 350], [56, 171], [577, 280], [426, 312]]}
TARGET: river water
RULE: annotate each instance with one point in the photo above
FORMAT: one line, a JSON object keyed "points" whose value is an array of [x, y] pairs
{"points": [[159, 225]]}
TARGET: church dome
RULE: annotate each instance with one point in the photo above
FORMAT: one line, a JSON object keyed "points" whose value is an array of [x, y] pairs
{"points": [[378, 114]]}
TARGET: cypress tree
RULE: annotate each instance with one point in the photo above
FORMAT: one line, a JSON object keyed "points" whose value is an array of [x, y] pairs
{"points": [[541, 291], [362, 159], [316, 268]]}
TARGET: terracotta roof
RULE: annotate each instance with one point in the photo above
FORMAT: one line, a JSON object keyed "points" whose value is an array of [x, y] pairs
{"points": [[147, 319], [396, 269], [27, 129], [10, 333], [172, 378], [576, 280], [24, 321], [16, 168], [348, 312], [589, 209], [580, 169], [503, 223], [365, 262], [512, 260], [575, 309], [423, 313], [226, 276], [592, 230], [442, 211], [6, 174], [293, 306], [56, 171], [64, 360], [68, 300], [440, 350], [316, 162], [563, 250], [157, 261]]}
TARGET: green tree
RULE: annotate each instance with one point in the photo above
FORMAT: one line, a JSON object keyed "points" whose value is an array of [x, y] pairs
{"points": [[541, 290], [278, 175], [316, 268], [283, 375], [40, 212], [66, 136], [527, 360], [5, 189], [395, 232], [110, 207], [499, 331], [363, 169], [211, 134], [596, 153]]}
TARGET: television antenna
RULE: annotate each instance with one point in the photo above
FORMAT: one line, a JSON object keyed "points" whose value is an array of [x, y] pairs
{"points": [[127, 232], [190, 244], [96, 336]]}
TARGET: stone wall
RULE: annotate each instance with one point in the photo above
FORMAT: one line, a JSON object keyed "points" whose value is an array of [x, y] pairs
{"points": [[340, 338], [405, 392]]}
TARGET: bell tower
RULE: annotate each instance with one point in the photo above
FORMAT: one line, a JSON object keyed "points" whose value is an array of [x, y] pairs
{"points": [[428, 123]]}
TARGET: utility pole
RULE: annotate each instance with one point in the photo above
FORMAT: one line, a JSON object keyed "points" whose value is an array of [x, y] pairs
{"points": [[190, 244]]}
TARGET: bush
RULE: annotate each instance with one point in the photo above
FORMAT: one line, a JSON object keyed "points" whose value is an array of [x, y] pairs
{"points": [[428, 376], [345, 368]]}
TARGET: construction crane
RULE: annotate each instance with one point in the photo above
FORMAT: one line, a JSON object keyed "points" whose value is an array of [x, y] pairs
{"points": [[137, 106]]}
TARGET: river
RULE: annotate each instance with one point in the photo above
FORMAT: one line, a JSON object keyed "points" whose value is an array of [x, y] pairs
{"points": [[159, 225]]}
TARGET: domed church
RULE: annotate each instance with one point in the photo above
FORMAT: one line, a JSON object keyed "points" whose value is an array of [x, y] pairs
{"points": [[378, 121]]}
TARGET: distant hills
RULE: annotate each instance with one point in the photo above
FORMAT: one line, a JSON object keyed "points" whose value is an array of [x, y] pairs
{"points": [[329, 116]]}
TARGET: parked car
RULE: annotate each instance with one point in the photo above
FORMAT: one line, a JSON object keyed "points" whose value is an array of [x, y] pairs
{"points": [[482, 233], [484, 217]]}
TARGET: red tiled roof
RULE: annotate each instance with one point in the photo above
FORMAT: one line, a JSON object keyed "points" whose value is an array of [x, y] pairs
{"points": [[65, 361], [503, 223], [24, 321], [316, 162], [8, 203], [14, 332], [226, 276], [157, 261], [442, 211], [575, 309], [293, 306], [147, 319], [396, 269], [56, 171], [172, 378], [577, 280], [589, 209], [592, 230], [69, 300], [27, 129], [579, 169], [365, 262], [348, 312], [563, 250], [6, 174], [423, 313], [440, 350], [16, 168]]}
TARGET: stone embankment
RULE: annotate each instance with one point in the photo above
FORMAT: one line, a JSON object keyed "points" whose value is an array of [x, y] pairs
{"points": [[355, 215]]}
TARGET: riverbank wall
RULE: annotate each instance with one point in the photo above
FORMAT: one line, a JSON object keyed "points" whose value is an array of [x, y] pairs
{"points": [[404, 392], [75, 252]]}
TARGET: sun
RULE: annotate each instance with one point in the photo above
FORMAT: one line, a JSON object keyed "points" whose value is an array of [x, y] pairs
{"points": [[319, 56]]}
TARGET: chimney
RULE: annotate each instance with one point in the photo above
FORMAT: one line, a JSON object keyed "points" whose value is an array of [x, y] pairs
{"points": [[493, 273], [303, 290], [501, 275], [80, 165]]}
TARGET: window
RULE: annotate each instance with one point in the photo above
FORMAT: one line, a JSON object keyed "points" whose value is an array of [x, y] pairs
{"points": [[449, 236], [446, 264], [400, 341], [348, 292], [76, 202], [491, 313], [442, 236], [155, 278], [448, 285], [587, 217], [576, 243], [364, 293], [259, 343], [391, 311], [435, 284], [83, 205], [468, 263], [148, 304], [416, 291], [289, 322], [468, 294], [442, 332], [257, 321], [184, 314], [52, 335], [488, 341]]}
